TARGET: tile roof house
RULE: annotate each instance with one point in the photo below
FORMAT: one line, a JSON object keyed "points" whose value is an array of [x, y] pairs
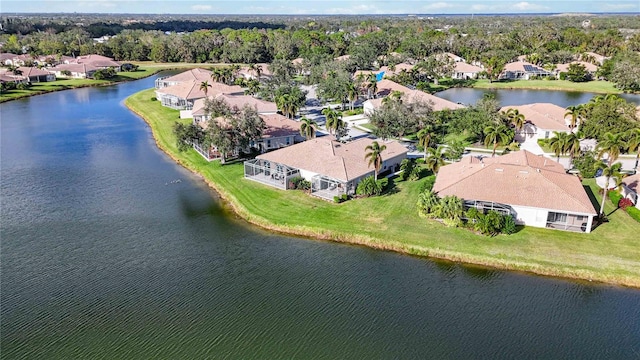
{"points": [[36, 75], [237, 101], [183, 95], [464, 71], [387, 87], [332, 167], [75, 71], [535, 190], [542, 120], [631, 188], [197, 74], [589, 67], [248, 73], [522, 70], [397, 69], [594, 56], [98, 61]]}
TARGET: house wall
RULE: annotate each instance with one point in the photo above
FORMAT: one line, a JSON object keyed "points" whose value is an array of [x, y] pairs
{"points": [[392, 162], [368, 108], [276, 142], [630, 194], [530, 216]]}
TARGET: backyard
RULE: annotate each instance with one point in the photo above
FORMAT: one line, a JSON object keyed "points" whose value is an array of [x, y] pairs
{"points": [[611, 253]]}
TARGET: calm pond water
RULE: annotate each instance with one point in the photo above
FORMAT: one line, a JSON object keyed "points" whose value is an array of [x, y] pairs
{"points": [[507, 97], [105, 254]]}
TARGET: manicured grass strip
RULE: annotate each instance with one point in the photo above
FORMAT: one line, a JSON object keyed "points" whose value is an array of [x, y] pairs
{"points": [[610, 254], [603, 87]]}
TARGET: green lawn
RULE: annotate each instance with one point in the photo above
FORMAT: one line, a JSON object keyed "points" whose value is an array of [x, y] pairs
{"points": [[610, 254], [603, 87]]}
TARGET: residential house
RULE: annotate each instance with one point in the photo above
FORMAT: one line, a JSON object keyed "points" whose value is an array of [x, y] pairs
{"points": [[98, 61], [542, 119], [248, 73], [593, 57], [631, 189], [36, 75], [522, 70], [233, 101], [589, 67], [464, 71], [332, 167], [193, 75], [184, 94], [279, 132], [533, 189], [74, 71], [397, 69], [14, 59], [387, 87]]}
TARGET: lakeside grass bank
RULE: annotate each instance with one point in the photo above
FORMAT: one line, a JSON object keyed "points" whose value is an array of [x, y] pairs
{"points": [[145, 69], [610, 254], [601, 87]]}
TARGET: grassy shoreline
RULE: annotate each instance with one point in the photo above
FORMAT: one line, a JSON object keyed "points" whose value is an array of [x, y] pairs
{"points": [[146, 69], [600, 87], [610, 254]]}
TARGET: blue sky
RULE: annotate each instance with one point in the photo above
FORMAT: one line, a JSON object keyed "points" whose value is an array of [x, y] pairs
{"points": [[302, 7]]}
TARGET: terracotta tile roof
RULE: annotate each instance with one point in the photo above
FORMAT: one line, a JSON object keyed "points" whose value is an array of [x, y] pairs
{"points": [[398, 69], [33, 71], [343, 58], [437, 104], [386, 87], [97, 60], [190, 90], [519, 66], [236, 100], [519, 178], [297, 61], [466, 68], [544, 116], [633, 183], [196, 74], [77, 68], [588, 66], [264, 70], [331, 158], [278, 125]]}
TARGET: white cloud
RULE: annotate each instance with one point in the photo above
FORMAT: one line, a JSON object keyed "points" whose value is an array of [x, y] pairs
{"points": [[201, 7], [613, 7], [526, 6]]}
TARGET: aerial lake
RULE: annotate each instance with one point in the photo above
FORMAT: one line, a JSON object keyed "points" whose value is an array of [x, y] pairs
{"points": [[111, 250]]}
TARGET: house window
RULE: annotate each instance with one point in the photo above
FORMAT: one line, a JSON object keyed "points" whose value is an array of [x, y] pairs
{"points": [[557, 217], [579, 217], [288, 140], [268, 143], [546, 134]]}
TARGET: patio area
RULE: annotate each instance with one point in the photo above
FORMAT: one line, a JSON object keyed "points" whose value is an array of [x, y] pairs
{"points": [[272, 174], [327, 188]]}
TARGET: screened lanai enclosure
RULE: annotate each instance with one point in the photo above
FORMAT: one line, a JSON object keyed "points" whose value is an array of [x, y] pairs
{"points": [[270, 173], [484, 206], [327, 188]]}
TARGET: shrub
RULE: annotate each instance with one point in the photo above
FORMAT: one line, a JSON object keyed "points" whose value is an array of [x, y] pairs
{"points": [[369, 187], [508, 225], [634, 213], [428, 182], [615, 196], [345, 197], [427, 202], [624, 203], [337, 199], [153, 98], [490, 223], [128, 67], [563, 76], [586, 164], [23, 86], [299, 183]]}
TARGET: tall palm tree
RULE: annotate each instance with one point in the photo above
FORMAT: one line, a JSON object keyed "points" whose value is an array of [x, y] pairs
{"points": [[374, 155], [497, 134], [575, 112], [288, 105], [332, 117], [204, 87], [608, 171], [424, 139], [372, 87], [308, 128], [516, 119], [612, 145], [558, 143], [572, 147], [434, 158], [633, 143], [352, 94]]}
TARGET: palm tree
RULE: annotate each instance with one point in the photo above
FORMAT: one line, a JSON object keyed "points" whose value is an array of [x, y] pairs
{"points": [[424, 139], [633, 143], [558, 143], [352, 94], [612, 145], [575, 112], [332, 117], [608, 171], [288, 105], [204, 87], [434, 158], [372, 87], [375, 156], [308, 128], [516, 119], [497, 134], [572, 147]]}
